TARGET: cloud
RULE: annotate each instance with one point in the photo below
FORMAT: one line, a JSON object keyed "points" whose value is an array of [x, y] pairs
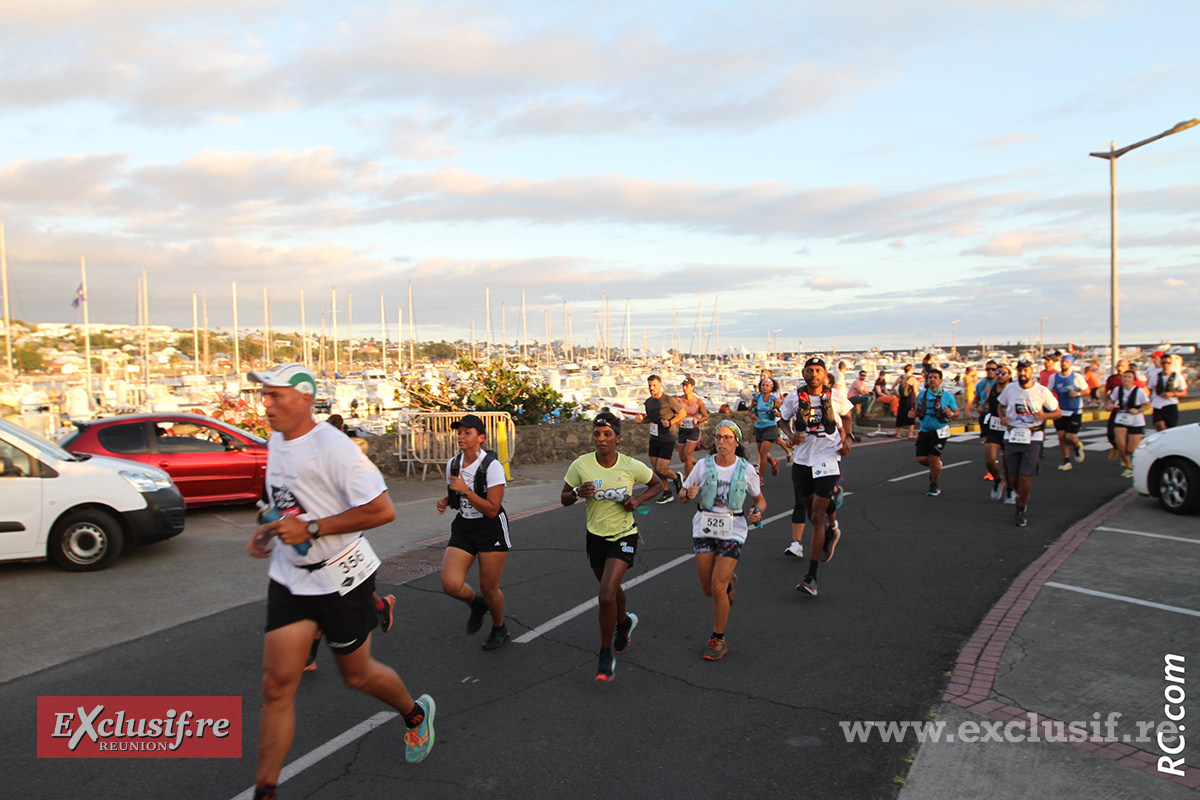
{"points": [[1015, 243], [825, 284]]}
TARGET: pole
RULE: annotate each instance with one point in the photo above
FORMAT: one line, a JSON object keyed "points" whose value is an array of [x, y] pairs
{"points": [[87, 334], [412, 331], [8, 359], [305, 351], [350, 320], [195, 337], [204, 311], [383, 336], [237, 357], [333, 329], [1113, 290]]}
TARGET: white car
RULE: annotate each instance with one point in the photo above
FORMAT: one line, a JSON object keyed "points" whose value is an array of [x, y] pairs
{"points": [[1166, 465], [78, 510]]}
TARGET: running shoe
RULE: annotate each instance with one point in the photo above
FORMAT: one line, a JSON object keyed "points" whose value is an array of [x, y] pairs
{"points": [[1065, 467], [774, 467], [418, 741], [831, 539], [997, 491], [1020, 522], [1010, 499], [838, 496], [1126, 473], [1079, 454], [809, 585], [387, 614], [988, 476], [934, 491], [623, 634], [795, 550], [478, 609], [497, 638], [606, 670], [665, 497], [716, 649], [731, 589]]}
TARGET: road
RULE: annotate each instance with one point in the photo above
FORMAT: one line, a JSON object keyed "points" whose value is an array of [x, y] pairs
{"points": [[912, 578]]}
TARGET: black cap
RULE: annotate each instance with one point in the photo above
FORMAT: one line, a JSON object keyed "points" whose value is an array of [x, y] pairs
{"points": [[814, 362], [469, 421], [1023, 363], [609, 420]]}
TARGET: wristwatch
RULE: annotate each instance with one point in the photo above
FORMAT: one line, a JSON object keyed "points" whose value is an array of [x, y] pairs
{"points": [[575, 491], [313, 529]]}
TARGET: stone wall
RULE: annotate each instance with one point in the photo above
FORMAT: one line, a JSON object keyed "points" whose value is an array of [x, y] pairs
{"points": [[562, 442]]}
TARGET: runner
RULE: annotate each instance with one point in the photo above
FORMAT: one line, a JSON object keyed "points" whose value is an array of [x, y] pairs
{"points": [[1112, 382], [689, 427], [1167, 386], [605, 479], [476, 482], [993, 435], [722, 482], [327, 493], [818, 412], [935, 408], [980, 409], [663, 412], [1070, 388], [1128, 402], [766, 428], [1025, 407], [1049, 368]]}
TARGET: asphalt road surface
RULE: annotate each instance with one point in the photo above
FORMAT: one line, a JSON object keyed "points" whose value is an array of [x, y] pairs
{"points": [[911, 579]]}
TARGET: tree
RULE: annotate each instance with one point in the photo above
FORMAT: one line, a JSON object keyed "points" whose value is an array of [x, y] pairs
{"points": [[496, 387]]}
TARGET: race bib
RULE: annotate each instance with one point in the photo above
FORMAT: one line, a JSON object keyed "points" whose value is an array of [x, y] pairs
{"points": [[468, 511], [352, 567], [688, 423], [716, 526], [1127, 419], [654, 429], [943, 432], [995, 424], [1020, 435], [827, 468]]}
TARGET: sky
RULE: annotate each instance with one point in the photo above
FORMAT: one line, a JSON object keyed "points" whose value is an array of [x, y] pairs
{"points": [[800, 175]]}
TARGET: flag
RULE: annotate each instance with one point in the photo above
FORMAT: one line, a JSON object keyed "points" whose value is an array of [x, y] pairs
{"points": [[79, 297]]}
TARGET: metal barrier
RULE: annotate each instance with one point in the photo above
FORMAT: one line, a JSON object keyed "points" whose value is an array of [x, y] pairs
{"points": [[425, 439]]}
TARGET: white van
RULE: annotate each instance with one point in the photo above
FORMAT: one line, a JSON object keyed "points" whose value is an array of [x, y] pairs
{"points": [[81, 511]]}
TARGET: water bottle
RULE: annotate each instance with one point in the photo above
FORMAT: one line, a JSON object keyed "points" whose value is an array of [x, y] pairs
{"points": [[642, 510], [268, 513]]}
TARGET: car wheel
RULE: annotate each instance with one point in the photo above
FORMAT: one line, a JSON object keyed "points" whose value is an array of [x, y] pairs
{"points": [[1179, 486], [86, 541]]}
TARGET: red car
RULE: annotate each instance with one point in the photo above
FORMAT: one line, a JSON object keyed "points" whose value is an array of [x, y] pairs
{"points": [[210, 461]]}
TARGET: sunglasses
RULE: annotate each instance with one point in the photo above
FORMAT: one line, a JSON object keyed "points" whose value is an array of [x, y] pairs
{"points": [[1002, 372], [726, 438]]}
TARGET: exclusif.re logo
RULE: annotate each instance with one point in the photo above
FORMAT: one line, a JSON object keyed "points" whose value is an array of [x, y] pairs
{"points": [[139, 727]]}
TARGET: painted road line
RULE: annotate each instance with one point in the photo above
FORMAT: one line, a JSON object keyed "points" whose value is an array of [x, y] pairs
{"points": [[1124, 599], [926, 472], [329, 748], [570, 614], [1151, 535]]}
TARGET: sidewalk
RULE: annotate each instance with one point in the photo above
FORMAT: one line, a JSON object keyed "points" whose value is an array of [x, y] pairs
{"points": [[1082, 636]]}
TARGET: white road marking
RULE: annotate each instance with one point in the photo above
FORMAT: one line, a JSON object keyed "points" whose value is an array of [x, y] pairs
{"points": [[329, 748], [1124, 599], [1152, 535], [926, 472]]}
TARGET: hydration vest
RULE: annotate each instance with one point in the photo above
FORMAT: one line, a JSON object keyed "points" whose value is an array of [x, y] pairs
{"points": [[737, 486], [805, 412], [453, 498], [939, 413]]}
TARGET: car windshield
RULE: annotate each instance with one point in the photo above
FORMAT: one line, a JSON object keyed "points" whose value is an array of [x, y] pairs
{"points": [[42, 446]]}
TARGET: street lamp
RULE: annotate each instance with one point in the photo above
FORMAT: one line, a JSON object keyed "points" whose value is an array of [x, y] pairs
{"points": [[1042, 338], [954, 336], [1114, 301]]}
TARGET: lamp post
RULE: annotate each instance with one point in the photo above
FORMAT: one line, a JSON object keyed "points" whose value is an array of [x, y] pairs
{"points": [[1042, 338], [1114, 300], [954, 336]]}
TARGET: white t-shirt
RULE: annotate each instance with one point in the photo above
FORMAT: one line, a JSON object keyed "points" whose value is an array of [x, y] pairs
{"points": [[1019, 405], [1136, 398], [318, 475], [495, 477], [721, 504], [817, 447], [1172, 382]]}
